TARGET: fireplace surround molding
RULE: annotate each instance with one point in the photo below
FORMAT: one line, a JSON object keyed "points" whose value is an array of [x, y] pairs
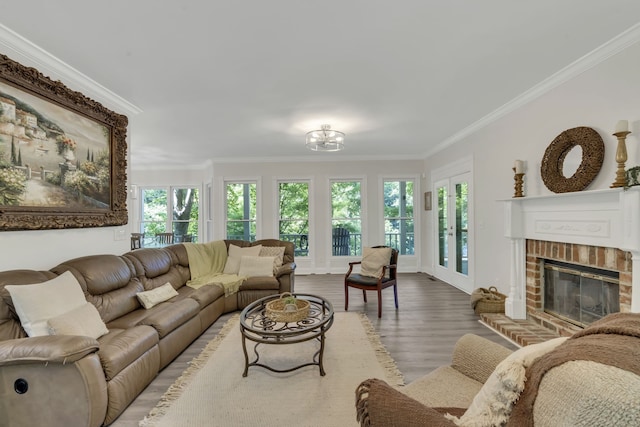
{"points": [[603, 218]]}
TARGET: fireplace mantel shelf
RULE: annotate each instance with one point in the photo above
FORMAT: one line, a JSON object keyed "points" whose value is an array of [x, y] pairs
{"points": [[606, 218]]}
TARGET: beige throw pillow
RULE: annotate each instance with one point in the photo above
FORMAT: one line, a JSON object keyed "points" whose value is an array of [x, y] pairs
{"points": [[277, 252], [84, 321], [36, 304], [373, 259], [256, 266], [155, 296], [235, 255]]}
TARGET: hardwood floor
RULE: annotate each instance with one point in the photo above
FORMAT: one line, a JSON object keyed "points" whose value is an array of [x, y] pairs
{"points": [[420, 335]]}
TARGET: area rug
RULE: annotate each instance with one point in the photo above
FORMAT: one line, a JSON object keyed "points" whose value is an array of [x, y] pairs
{"points": [[212, 391]]}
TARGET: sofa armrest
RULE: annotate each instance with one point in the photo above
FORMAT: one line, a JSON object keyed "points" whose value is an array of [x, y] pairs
{"points": [[57, 348], [286, 269], [379, 404], [477, 357]]}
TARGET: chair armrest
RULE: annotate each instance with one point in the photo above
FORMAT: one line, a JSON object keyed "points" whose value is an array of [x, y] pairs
{"points": [[379, 404], [477, 357], [57, 349]]}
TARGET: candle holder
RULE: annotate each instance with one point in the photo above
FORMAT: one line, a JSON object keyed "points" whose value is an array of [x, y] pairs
{"points": [[621, 158], [519, 180]]}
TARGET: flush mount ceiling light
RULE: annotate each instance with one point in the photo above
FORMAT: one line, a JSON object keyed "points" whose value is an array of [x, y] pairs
{"points": [[325, 139]]}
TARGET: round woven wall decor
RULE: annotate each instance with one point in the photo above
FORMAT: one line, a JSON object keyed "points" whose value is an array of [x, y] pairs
{"points": [[592, 157]]}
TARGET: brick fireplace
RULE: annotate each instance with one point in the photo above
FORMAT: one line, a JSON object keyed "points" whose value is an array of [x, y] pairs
{"points": [[537, 251], [598, 228]]}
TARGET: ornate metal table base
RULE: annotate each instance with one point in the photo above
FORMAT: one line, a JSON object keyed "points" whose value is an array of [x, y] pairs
{"points": [[257, 327]]}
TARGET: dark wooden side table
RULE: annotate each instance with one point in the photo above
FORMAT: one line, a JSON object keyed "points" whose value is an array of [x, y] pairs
{"points": [[257, 327]]}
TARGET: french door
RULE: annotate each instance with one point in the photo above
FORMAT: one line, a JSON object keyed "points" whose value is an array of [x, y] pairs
{"points": [[453, 249]]}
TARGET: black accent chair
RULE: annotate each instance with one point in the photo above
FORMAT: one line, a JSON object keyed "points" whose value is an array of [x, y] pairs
{"points": [[365, 283], [340, 239]]}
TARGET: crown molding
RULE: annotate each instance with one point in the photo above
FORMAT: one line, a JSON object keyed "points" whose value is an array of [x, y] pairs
{"points": [[27, 53], [579, 66]]}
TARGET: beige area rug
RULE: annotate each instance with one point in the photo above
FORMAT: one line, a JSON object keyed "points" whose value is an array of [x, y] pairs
{"points": [[213, 393]]}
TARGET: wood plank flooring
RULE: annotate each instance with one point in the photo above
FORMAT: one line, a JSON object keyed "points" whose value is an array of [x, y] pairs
{"points": [[420, 336]]}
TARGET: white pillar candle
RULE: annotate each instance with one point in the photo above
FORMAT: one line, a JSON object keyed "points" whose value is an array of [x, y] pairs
{"points": [[622, 126], [519, 166]]}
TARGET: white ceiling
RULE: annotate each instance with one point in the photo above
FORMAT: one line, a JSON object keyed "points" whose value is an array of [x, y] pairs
{"points": [[228, 80]]}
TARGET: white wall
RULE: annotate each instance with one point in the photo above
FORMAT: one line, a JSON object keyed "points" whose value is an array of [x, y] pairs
{"points": [[320, 173], [597, 98]]}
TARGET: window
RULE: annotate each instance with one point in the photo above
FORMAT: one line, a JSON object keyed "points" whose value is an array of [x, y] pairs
{"points": [[398, 216], [294, 215], [346, 223], [241, 211], [177, 214]]}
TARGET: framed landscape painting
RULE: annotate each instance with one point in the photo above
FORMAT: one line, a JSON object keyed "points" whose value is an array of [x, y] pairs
{"points": [[62, 155]]}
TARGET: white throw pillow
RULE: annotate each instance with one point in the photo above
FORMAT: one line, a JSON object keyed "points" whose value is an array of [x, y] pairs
{"points": [[232, 265], [84, 320], [277, 252], [256, 266], [373, 259], [155, 296], [36, 304]]}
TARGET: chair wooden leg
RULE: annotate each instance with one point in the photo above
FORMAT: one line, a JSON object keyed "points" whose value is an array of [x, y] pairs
{"points": [[395, 294], [346, 298], [364, 295], [379, 303]]}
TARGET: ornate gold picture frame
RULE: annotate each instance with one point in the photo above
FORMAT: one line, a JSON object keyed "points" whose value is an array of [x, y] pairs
{"points": [[63, 156]]}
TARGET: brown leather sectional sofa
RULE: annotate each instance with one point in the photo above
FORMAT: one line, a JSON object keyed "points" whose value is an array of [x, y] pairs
{"points": [[65, 380]]}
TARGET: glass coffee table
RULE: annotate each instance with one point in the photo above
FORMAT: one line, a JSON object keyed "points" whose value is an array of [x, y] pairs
{"points": [[257, 327]]}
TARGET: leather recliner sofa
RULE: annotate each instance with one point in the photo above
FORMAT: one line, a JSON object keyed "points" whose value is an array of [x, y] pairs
{"points": [[65, 380]]}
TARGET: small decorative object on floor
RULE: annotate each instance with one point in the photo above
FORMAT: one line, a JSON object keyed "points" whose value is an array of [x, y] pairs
{"points": [[485, 300], [287, 309]]}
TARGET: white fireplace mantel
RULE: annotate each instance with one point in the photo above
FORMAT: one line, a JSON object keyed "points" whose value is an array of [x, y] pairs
{"points": [[609, 218]]}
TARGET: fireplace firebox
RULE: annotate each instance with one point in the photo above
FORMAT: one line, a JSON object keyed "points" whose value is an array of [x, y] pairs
{"points": [[579, 294]]}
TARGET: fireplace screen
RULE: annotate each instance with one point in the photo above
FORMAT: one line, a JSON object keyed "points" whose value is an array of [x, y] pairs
{"points": [[579, 294]]}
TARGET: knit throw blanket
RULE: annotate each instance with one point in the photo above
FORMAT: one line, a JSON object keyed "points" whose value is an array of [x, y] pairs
{"points": [[206, 262], [613, 340]]}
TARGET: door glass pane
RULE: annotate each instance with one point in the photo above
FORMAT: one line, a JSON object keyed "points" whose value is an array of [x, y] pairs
{"points": [[154, 214], [462, 228], [443, 225]]}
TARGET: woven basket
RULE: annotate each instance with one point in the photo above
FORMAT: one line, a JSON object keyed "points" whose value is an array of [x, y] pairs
{"points": [[277, 311], [488, 300]]}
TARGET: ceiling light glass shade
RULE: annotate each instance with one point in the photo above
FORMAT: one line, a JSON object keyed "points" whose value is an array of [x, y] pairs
{"points": [[325, 139]]}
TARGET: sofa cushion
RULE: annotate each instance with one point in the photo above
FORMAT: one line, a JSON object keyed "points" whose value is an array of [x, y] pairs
{"points": [[260, 283], [171, 316], [155, 296], [256, 266], [37, 303], [84, 321], [277, 252], [121, 347], [373, 259], [204, 295], [235, 255]]}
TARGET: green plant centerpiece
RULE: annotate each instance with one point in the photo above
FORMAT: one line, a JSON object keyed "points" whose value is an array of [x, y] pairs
{"points": [[290, 303]]}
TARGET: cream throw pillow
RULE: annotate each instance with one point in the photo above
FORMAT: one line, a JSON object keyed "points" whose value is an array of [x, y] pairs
{"points": [[36, 304], [84, 320], [155, 296], [235, 254], [277, 252], [373, 259], [256, 266]]}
